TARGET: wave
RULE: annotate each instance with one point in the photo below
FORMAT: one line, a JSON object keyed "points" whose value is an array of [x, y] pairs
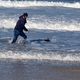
{"points": [[54, 56], [23, 4], [51, 25]]}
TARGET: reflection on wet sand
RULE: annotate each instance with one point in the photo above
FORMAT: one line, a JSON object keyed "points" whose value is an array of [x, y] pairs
{"points": [[34, 70]]}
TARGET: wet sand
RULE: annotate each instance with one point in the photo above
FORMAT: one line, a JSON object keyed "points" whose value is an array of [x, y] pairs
{"points": [[36, 70]]}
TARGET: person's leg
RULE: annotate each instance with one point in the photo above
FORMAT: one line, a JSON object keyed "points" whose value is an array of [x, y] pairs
{"points": [[23, 35], [16, 34]]}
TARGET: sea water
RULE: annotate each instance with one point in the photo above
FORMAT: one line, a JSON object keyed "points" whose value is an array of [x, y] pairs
{"points": [[58, 20]]}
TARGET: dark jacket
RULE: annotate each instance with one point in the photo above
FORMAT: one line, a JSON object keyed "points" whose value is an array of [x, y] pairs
{"points": [[20, 25]]}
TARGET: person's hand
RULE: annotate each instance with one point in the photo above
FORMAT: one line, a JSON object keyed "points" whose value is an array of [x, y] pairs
{"points": [[26, 29]]}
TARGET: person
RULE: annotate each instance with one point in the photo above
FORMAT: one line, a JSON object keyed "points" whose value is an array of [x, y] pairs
{"points": [[20, 27]]}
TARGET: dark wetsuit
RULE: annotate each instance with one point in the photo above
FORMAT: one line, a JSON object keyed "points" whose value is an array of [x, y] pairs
{"points": [[18, 30]]}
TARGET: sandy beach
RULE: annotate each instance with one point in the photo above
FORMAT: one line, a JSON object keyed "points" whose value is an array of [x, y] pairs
{"points": [[36, 70]]}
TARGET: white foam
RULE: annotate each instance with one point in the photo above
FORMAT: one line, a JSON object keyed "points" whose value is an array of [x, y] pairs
{"points": [[7, 23], [37, 3], [58, 25], [39, 56]]}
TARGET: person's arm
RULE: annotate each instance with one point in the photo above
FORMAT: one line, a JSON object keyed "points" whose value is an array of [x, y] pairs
{"points": [[25, 28], [25, 21]]}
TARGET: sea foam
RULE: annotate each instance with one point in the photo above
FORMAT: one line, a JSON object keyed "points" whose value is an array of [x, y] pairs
{"points": [[23, 4], [40, 56]]}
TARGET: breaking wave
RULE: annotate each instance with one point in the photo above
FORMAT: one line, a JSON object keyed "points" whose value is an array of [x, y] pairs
{"points": [[57, 25], [23, 4], [40, 56]]}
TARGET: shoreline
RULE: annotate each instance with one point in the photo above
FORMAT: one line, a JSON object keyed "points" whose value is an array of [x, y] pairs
{"points": [[32, 70]]}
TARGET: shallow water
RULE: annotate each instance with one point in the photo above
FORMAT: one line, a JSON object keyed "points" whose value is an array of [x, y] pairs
{"points": [[63, 46]]}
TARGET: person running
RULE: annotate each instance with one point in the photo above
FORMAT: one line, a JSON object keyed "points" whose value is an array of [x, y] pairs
{"points": [[20, 27]]}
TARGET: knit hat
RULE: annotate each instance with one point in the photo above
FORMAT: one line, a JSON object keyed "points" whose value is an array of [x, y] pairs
{"points": [[25, 14]]}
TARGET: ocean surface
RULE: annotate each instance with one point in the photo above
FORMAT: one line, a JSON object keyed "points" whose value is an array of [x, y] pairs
{"points": [[59, 59]]}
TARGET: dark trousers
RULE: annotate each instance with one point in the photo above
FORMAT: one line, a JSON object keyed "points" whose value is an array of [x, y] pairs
{"points": [[18, 33]]}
